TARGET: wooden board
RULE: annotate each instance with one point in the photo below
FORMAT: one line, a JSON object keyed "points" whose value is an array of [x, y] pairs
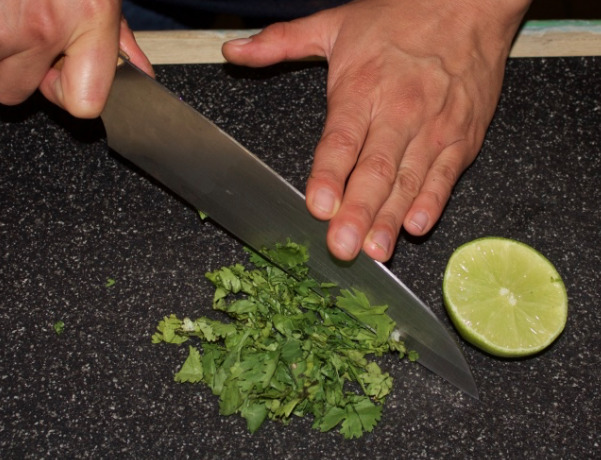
{"points": [[536, 39]]}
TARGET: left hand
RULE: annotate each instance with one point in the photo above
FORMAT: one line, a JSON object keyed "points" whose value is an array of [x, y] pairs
{"points": [[412, 88]]}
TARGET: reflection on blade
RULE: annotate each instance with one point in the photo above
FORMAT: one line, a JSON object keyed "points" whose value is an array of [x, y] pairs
{"points": [[182, 149]]}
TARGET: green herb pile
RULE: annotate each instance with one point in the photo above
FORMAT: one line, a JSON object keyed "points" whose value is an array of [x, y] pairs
{"points": [[290, 348]]}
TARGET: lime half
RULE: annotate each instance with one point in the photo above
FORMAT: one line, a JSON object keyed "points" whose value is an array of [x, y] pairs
{"points": [[504, 297]]}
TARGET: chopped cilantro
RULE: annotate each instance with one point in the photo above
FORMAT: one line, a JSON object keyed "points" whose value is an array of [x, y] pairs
{"points": [[291, 348], [59, 327], [110, 282]]}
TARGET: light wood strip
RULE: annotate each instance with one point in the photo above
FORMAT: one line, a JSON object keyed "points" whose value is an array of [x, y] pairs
{"points": [[204, 46], [557, 43], [187, 46]]}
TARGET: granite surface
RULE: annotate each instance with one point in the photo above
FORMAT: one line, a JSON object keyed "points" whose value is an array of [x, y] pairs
{"points": [[74, 215]]}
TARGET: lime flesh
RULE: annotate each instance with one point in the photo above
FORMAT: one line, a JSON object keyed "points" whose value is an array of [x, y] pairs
{"points": [[504, 297]]}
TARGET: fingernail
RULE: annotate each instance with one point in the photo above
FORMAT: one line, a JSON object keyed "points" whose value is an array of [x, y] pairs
{"points": [[324, 200], [348, 239], [420, 220], [240, 41], [381, 240]]}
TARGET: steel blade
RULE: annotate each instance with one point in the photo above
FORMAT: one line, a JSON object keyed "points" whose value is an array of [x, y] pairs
{"points": [[182, 149]]}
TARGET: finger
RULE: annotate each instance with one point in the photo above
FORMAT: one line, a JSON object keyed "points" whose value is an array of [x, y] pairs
{"points": [[411, 174], [278, 42], [420, 194], [345, 129], [427, 207], [82, 85], [20, 76], [368, 188], [428, 172], [128, 44], [379, 243]]}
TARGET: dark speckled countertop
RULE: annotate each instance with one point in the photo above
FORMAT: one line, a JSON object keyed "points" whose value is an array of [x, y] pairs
{"points": [[74, 215]]}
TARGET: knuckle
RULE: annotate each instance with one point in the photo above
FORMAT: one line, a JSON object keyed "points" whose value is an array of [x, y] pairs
{"points": [[424, 91], [380, 168], [42, 24], [276, 31], [435, 197], [97, 7], [390, 219], [445, 173], [41, 28], [325, 177], [341, 140], [361, 212], [411, 97], [409, 182]]}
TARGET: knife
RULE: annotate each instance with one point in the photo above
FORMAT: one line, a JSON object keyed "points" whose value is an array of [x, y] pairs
{"points": [[186, 152]]}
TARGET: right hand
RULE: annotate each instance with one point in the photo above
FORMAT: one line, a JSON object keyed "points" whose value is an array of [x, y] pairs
{"points": [[84, 35]]}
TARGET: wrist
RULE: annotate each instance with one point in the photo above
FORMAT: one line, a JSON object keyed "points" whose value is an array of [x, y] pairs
{"points": [[499, 20], [508, 14]]}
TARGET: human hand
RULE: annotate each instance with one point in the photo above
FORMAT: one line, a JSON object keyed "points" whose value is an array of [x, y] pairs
{"points": [[412, 87], [84, 35]]}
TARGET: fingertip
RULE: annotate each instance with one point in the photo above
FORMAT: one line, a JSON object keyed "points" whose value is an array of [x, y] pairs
{"points": [[378, 245], [237, 43], [344, 242], [233, 50], [261, 49], [418, 223], [129, 46], [139, 59], [281, 41], [323, 203]]}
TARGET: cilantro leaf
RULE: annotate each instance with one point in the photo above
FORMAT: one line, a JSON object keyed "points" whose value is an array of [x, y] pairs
{"points": [[167, 331], [254, 413], [375, 383], [191, 370], [333, 416], [358, 306], [360, 415]]}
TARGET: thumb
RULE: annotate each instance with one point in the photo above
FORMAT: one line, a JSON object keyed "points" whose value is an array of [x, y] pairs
{"points": [[278, 42], [81, 83]]}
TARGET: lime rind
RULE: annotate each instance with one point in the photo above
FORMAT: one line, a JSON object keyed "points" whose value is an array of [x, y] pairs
{"points": [[504, 297]]}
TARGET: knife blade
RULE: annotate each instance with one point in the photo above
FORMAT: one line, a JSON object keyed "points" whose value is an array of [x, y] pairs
{"points": [[174, 143]]}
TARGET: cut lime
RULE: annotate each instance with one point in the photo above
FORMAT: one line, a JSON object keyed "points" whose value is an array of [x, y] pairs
{"points": [[504, 297]]}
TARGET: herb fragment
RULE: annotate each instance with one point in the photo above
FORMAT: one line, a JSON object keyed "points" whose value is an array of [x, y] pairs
{"points": [[290, 348], [59, 327]]}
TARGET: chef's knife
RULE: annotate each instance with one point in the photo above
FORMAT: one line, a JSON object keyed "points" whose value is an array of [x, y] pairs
{"points": [[182, 149]]}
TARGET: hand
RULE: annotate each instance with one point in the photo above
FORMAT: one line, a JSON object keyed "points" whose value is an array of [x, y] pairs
{"points": [[84, 35], [412, 87]]}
